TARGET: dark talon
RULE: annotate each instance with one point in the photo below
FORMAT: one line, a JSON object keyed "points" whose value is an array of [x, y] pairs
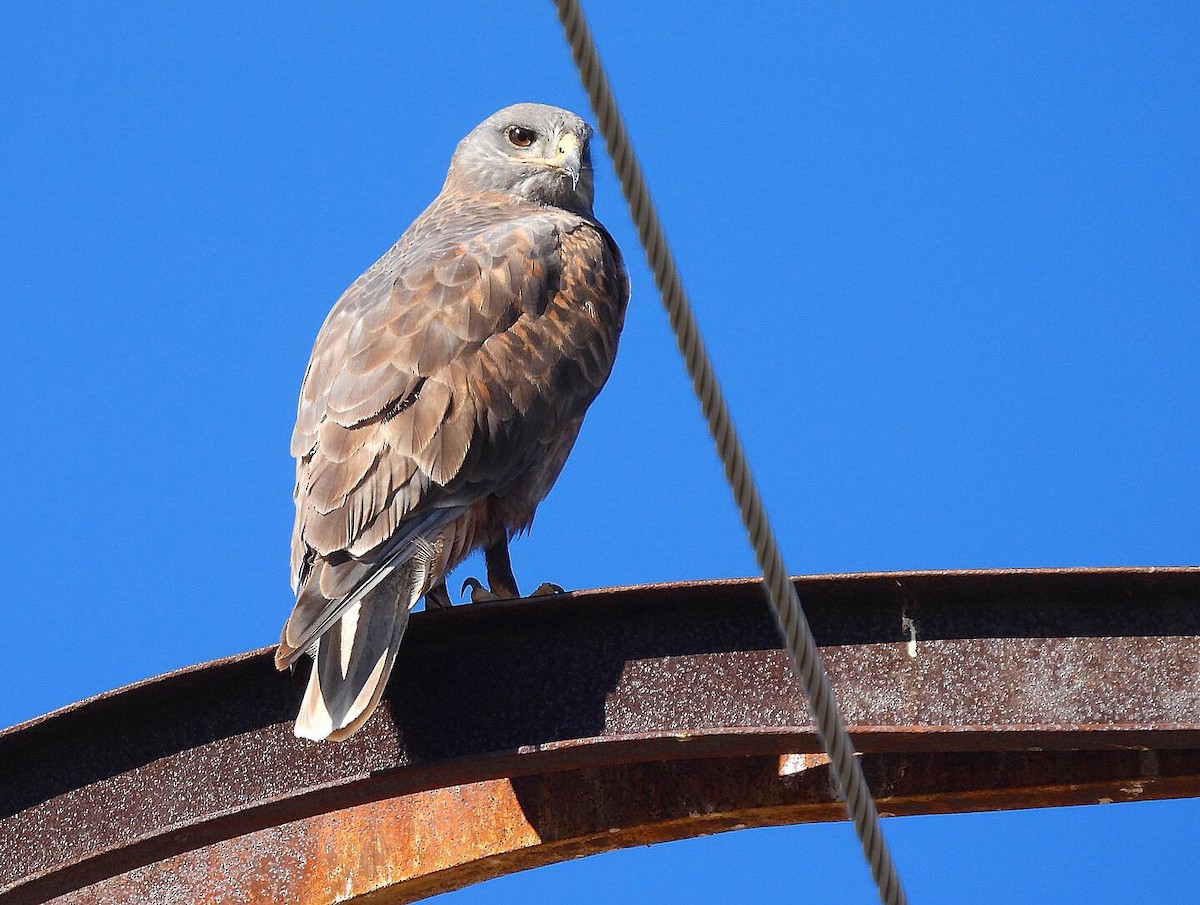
{"points": [[478, 591]]}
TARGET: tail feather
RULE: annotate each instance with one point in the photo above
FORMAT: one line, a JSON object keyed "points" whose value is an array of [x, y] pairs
{"points": [[353, 659], [316, 611]]}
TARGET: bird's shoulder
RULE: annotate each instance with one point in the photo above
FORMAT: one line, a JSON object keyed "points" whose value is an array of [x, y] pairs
{"points": [[465, 270], [487, 250]]}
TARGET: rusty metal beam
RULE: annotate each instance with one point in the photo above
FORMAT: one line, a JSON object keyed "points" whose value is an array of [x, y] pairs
{"points": [[520, 733]]}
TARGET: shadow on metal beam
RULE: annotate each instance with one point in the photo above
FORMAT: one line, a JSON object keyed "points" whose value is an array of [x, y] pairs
{"points": [[527, 732]]}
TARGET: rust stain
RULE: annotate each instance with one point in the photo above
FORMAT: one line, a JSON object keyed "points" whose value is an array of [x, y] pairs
{"points": [[376, 846]]}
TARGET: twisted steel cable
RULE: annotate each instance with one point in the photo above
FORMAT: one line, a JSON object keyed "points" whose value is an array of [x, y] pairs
{"points": [[785, 602]]}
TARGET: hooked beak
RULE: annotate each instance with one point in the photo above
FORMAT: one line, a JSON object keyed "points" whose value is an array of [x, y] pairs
{"points": [[568, 157]]}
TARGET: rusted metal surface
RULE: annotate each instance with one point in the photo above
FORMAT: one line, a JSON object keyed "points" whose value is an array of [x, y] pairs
{"points": [[406, 848], [524, 732]]}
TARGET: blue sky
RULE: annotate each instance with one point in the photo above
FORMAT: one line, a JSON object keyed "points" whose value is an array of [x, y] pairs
{"points": [[946, 259]]}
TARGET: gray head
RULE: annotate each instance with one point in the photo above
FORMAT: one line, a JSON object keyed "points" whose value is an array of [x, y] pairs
{"points": [[536, 152]]}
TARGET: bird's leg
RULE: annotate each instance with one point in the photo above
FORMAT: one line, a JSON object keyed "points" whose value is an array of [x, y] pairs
{"points": [[437, 597], [499, 569], [499, 572]]}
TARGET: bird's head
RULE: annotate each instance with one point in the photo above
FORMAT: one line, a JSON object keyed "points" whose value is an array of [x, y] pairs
{"points": [[533, 151]]}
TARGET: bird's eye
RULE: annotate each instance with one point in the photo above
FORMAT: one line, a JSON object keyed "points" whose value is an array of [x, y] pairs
{"points": [[519, 136]]}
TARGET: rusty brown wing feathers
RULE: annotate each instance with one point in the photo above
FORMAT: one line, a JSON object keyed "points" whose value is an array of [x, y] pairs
{"points": [[455, 370]]}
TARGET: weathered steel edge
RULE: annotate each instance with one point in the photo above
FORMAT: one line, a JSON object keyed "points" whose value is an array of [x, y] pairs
{"points": [[1188, 575], [914, 588]]}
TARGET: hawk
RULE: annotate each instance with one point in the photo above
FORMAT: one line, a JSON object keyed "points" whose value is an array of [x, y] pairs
{"points": [[444, 393]]}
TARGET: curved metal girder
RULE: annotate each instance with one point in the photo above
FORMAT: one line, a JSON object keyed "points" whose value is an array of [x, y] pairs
{"points": [[523, 732]]}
